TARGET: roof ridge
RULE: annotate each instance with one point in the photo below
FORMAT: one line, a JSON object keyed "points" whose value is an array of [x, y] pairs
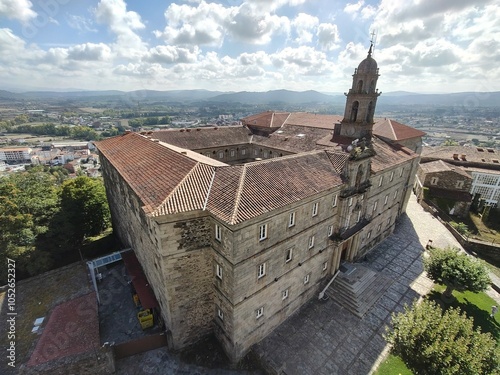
{"points": [[392, 128], [232, 220], [209, 189], [287, 117]]}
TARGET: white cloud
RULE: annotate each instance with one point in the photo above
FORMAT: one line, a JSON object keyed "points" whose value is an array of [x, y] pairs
{"points": [[249, 24], [209, 23], [328, 36], [172, 55], [89, 52], [123, 23], [17, 9], [353, 8], [80, 23], [304, 25]]}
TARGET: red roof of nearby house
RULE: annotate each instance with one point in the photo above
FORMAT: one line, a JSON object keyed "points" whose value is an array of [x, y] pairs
{"points": [[72, 328]]}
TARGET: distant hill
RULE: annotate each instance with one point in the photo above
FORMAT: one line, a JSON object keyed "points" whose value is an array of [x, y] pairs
{"points": [[274, 96], [463, 99]]}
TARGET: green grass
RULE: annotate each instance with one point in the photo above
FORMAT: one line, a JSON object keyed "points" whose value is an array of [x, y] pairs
{"points": [[476, 305], [393, 365]]}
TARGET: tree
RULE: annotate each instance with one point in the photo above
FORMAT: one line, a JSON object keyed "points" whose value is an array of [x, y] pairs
{"points": [[84, 208], [456, 270], [433, 342]]}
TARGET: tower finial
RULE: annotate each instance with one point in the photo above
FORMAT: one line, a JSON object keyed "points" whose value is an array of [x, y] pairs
{"points": [[372, 43]]}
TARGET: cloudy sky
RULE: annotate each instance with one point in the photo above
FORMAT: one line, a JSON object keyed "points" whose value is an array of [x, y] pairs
{"points": [[248, 45]]}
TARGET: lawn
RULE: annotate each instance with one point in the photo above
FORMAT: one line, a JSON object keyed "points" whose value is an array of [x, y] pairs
{"points": [[393, 365], [476, 305]]}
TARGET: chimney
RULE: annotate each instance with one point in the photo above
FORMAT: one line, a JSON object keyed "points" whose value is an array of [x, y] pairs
{"points": [[463, 157], [455, 156]]}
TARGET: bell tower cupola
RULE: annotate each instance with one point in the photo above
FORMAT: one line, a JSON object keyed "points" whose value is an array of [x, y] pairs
{"points": [[361, 100]]}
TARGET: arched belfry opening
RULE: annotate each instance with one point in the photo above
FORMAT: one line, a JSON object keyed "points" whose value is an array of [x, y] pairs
{"points": [[360, 85], [372, 86], [359, 177], [369, 113], [354, 111]]}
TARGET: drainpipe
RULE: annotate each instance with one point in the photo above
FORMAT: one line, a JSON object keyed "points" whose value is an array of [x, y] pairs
{"points": [[322, 293]]}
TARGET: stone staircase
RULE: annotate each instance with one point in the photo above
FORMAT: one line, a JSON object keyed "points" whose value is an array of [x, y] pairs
{"points": [[357, 288]]}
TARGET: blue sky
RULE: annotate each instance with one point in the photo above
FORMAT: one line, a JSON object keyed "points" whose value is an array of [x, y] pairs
{"points": [[248, 45]]}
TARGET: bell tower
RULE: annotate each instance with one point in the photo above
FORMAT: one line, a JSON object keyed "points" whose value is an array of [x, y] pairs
{"points": [[361, 100]]}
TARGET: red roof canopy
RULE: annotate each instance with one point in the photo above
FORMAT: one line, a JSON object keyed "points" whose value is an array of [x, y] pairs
{"points": [[141, 284]]}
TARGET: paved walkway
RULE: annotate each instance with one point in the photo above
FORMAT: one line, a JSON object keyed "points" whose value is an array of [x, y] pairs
{"points": [[325, 338]]}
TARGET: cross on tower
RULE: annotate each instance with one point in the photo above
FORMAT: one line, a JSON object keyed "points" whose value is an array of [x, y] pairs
{"points": [[373, 39]]}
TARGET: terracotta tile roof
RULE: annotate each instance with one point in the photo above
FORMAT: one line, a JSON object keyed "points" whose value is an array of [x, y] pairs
{"points": [[388, 155], [191, 194], [200, 138], [395, 131], [471, 154], [145, 166], [244, 192], [268, 119], [313, 120], [293, 138], [441, 166]]}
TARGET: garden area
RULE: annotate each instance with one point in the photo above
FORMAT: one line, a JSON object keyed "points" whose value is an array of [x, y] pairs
{"points": [[451, 331]]}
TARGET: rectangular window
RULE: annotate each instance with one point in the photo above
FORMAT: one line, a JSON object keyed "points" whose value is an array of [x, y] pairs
{"points": [[434, 180], [284, 294], [262, 232], [330, 230], [350, 202], [289, 255], [221, 154], [375, 206], [362, 197], [306, 278], [265, 154], [392, 176], [218, 271], [291, 219], [381, 181], [459, 185], [218, 234], [401, 172], [325, 266], [256, 152], [232, 152], [220, 314], [388, 221], [315, 209], [243, 151], [311, 242], [369, 235], [379, 227], [386, 199], [208, 154], [259, 312], [334, 202], [359, 217], [261, 271], [395, 194]]}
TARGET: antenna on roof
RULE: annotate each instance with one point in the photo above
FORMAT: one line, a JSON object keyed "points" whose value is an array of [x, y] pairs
{"points": [[373, 40]]}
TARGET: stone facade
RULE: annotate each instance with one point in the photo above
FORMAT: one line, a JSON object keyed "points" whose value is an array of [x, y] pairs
{"points": [[231, 248], [445, 181]]}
